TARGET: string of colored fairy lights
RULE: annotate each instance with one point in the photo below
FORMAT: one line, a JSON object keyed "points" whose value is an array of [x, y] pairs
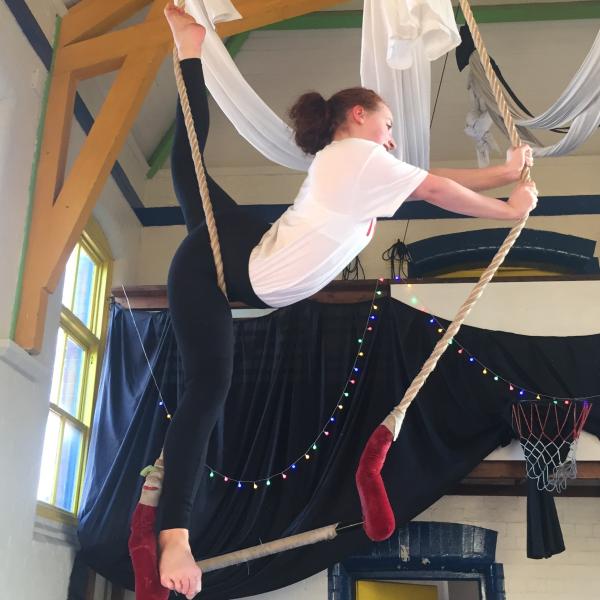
{"points": [[345, 396], [523, 393]]}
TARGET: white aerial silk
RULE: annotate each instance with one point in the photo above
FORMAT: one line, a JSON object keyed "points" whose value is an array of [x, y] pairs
{"points": [[578, 106], [399, 39]]}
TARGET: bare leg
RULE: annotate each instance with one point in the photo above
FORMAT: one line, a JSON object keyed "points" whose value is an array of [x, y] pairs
{"points": [[177, 567]]}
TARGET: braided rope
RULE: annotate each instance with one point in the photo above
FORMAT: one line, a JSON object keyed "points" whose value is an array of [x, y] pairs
{"points": [[394, 420], [199, 168]]}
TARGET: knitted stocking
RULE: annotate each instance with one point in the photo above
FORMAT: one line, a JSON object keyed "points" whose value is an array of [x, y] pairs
{"points": [[377, 512], [142, 540]]}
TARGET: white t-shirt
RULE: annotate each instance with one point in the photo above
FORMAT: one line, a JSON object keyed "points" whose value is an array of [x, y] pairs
{"points": [[349, 184]]}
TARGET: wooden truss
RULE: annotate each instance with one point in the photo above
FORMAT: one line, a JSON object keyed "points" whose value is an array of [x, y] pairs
{"points": [[88, 46]]}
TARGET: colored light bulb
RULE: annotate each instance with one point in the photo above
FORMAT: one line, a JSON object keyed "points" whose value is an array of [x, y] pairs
{"points": [[239, 484], [268, 482], [284, 475], [314, 446], [225, 479], [212, 474], [307, 456], [255, 486]]}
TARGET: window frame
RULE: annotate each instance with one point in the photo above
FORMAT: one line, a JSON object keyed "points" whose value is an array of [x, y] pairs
{"points": [[93, 340]]}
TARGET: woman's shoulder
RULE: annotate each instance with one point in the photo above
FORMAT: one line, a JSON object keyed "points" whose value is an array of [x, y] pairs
{"points": [[348, 150], [351, 144]]}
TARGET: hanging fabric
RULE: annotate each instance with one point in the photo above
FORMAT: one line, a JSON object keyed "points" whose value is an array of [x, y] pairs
{"points": [[399, 40], [431, 33], [578, 106], [460, 417]]}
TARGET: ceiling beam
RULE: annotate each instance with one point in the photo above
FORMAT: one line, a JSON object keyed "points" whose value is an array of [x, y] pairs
{"points": [[258, 13], [90, 18], [62, 205], [106, 52], [501, 13]]}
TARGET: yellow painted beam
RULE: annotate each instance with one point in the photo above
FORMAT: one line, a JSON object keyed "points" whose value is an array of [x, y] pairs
{"points": [[57, 225], [89, 18], [61, 211], [92, 167], [98, 55], [258, 13]]}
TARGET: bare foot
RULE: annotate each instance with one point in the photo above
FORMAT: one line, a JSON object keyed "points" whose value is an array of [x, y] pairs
{"points": [[187, 34], [176, 565]]}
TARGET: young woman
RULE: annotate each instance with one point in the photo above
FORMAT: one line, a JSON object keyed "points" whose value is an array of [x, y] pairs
{"points": [[352, 181]]}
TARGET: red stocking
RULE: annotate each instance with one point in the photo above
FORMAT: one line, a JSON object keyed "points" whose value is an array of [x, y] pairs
{"points": [[144, 555], [377, 512]]}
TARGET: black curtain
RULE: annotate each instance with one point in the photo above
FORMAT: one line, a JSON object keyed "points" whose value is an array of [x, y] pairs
{"points": [[290, 369]]}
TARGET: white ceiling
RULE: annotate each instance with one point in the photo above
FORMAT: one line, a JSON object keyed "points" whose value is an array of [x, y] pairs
{"points": [[537, 59]]}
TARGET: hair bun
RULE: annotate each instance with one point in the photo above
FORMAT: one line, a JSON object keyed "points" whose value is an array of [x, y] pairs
{"points": [[311, 120]]}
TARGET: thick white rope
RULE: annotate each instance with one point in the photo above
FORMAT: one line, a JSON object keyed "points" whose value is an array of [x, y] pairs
{"points": [[289, 543], [394, 420], [199, 168]]}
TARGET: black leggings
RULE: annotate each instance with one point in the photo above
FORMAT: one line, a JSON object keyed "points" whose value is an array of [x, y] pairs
{"points": [[200, 313]]}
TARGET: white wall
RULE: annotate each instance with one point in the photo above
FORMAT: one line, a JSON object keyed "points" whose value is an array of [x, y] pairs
{"points": [[577, 175], [572, 574], [35, 556]]}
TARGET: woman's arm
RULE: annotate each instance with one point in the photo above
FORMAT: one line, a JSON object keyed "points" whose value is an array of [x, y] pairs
{"points": [[488, 178], [449, 195]]}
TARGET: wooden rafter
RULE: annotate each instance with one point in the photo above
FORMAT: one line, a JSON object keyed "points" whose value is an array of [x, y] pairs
{"points": [[87, 47]]}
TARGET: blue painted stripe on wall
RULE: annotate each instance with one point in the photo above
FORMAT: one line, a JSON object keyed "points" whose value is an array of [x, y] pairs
{"points": [[40, 44], [166, 216]]}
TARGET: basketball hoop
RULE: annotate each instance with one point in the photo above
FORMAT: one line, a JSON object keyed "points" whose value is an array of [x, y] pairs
{"points": [[548, 431]]}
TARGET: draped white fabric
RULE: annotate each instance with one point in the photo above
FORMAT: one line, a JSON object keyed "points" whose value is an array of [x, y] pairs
{"points": [[399, 39], [248, 113], [578, 106]]}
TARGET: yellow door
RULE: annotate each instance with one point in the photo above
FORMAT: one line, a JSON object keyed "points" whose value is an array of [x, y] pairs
{"points": [[377, 590]]}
